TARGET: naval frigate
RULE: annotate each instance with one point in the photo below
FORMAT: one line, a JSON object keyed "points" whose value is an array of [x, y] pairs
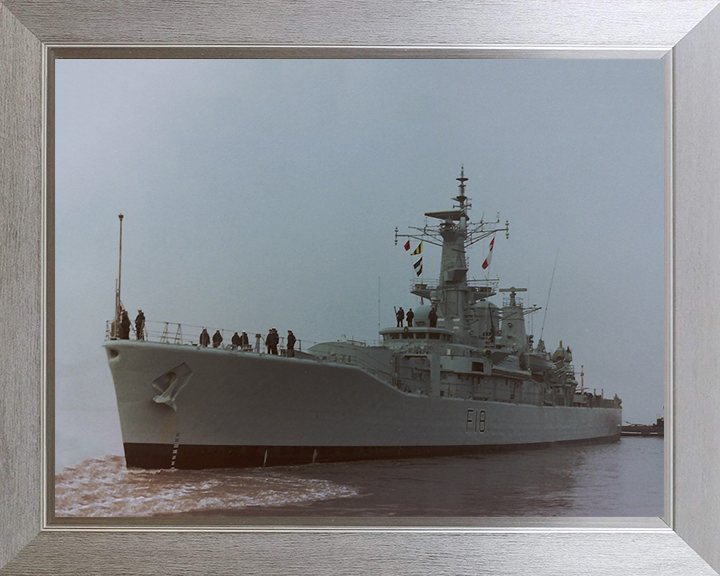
{"points": [[465, 378]]}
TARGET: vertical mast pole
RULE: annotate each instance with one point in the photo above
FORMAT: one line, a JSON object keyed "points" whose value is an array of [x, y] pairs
{"points": [[378, 305], [119, 301]]}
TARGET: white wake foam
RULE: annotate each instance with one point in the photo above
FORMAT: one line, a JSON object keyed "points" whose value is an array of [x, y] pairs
{"points": [[104, 487]]}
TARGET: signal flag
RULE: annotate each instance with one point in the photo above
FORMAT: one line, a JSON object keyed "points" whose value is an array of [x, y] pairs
{"points": [[489, 256]]}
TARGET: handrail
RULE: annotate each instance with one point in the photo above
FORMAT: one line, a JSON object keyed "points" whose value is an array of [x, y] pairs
{"points": [[433, 283], [172, 333]]}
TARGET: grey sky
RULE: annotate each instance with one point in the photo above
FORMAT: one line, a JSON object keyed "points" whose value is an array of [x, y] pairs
{"points": [[263, 193]]}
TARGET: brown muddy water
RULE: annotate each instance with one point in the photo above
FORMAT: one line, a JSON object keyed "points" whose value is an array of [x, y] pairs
{"points": [[620, 479]]}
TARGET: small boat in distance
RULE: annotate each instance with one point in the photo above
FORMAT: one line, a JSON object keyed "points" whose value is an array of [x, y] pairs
{"points": [[657, 429]]}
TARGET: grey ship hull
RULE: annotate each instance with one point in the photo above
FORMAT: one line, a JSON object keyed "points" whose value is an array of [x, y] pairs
{"points": [[241, 409]]}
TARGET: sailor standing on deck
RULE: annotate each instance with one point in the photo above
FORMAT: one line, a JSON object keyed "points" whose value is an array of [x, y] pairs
{"points": [[244, 342], [291, 344], [235, 341], [140, 325], [400, 315], [433, 317], [217, 339], [410, 316], [204, 338], [275, 341], [272, 341], [125, 326]]}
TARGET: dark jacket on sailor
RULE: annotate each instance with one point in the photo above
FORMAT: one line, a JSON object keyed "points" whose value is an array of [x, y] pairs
{"points": [[204, 338], [125, 326], [139, 324]]}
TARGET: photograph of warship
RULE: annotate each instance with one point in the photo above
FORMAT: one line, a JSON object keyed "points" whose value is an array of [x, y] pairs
{"points": [[465, 378]]}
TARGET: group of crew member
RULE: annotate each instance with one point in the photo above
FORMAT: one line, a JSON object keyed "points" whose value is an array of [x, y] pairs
{"points": [[124, 331], [239, 341], [401, 316], [242, 342], [273, 339], [205, 338]]}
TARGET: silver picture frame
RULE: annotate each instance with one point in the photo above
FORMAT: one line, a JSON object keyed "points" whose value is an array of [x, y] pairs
{"points": [[684, 33]]}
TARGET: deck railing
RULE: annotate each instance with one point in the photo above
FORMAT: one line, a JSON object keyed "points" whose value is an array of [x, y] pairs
{"points": [[175, 333], [433, 283]]}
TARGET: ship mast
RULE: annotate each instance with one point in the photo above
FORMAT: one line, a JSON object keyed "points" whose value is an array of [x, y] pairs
{"points": [[451, 294], [461, 197], [118, 301]]}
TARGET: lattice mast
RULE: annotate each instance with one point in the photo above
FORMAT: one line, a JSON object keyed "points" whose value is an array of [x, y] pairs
{"points": [[451, 294]]}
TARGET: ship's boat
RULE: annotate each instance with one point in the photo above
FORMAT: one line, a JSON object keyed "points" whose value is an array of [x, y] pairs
{"points": [[464, 378]]}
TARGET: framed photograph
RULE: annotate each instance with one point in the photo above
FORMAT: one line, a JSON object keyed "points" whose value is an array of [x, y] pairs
{"points": [[42, 232], [272, 198]]}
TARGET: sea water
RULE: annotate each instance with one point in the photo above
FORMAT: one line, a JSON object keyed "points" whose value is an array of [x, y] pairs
{"points": [[624, 478]]}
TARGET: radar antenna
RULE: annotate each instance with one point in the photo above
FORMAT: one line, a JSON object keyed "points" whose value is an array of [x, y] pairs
{"points": [[472, 234], [513, 291]]}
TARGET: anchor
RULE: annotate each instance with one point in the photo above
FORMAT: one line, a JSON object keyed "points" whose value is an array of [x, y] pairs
{"points": [[169, 385]]}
